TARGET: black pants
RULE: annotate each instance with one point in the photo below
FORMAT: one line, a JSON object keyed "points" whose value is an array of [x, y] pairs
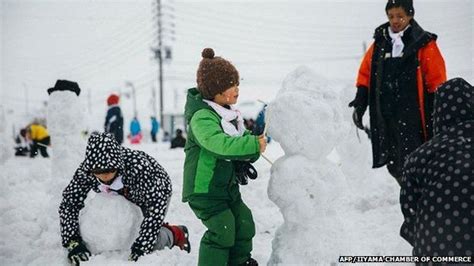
{"points": [[40, 145], [153, 137]]}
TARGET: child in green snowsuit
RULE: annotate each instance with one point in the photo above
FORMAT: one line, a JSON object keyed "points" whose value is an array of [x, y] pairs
{"points": [[216, 138]]}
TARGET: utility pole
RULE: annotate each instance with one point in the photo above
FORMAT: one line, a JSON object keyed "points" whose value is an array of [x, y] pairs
{"points": [[162, 50], [159, 56]]}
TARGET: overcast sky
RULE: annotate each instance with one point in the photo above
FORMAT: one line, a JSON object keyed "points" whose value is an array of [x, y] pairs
{"points": [[104, 44]]}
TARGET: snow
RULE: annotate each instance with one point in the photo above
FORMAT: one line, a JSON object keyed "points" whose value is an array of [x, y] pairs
{"points": [[30, 223], [109, 222], [328, 200], [325, 207]]}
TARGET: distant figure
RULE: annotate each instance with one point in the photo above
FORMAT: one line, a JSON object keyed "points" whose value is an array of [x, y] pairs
{"points": [[114, 118], [166, 136], [21, 141], [437, 193], [397, 79], [155, 127], [135, 131], [40, 140], [178, 141]]}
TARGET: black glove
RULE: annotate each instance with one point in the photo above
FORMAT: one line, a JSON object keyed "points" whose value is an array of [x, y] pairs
{"points": [[360, 106], [136, 253], [77, 252], [244, 171]]}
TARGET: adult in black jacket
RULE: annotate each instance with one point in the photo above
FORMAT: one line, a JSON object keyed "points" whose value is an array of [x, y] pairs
{"points": [[136, 176], [397, 78], [114, 119], [437, 194]]}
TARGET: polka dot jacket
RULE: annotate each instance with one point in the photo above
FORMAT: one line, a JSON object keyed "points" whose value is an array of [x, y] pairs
{"points": [[145, 182], [437, 194]]}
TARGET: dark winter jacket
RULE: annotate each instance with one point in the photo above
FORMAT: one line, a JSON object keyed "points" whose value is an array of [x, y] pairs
{"points": [[145, 182], [438, 180], [178, 142], [401, 91], [208, 169], [114, 122]]}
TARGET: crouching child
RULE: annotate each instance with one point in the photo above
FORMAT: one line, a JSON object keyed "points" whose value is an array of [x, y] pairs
{"points": [[135, 175], [217, 140]]}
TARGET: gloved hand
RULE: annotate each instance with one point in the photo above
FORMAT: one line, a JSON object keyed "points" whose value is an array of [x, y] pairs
{"points": [[360, 106], [136, 253], [357, 117], [244, 171], [77, 252]]}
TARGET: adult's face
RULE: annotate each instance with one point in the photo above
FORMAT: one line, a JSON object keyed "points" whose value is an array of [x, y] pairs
{"points": [[398, 19]]}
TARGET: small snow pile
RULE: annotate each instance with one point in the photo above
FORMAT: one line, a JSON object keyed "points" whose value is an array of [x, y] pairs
{"points": [[305, 118], [5, 149], [109, 222], [65, 123]]}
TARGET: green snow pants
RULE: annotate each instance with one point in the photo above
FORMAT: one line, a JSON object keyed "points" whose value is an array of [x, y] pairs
{"points": [[230, 229]]}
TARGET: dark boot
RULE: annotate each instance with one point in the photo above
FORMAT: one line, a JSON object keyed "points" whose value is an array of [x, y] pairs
{"points": [[249, 262], [180, 236]]}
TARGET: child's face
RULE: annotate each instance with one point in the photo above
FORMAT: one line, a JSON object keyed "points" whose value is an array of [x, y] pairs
{"points": [[106, 177], [227, 97], [398, 19]]}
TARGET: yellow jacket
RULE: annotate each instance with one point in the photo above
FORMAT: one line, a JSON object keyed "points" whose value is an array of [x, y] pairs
{"points": [[38, 132]]}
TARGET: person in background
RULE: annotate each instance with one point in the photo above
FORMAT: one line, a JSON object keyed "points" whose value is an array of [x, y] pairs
{"points": [[155, 126], [40, 139], [397, 79], [217, 138], [21, 141], [166, 136], [135, 131], [437, 193], [114, 119], [178, 141], [112, 169]]}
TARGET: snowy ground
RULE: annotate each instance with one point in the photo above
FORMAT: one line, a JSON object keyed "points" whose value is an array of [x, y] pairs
{"points": [[30, 227]]}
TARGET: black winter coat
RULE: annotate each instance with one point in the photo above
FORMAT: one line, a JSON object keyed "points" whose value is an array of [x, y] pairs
{"points": [[437, 194], [396, 125], [145, 182], [114, 123]]}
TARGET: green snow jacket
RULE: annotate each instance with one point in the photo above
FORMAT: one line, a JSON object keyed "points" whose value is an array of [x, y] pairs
{"points": [[208, 168]]}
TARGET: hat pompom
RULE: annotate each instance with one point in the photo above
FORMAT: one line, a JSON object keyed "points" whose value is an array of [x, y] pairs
{"points": [[208, 53]]}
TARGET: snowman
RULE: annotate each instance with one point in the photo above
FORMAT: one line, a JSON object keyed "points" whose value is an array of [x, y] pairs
{"points": [[306, 119], [65, 126]]}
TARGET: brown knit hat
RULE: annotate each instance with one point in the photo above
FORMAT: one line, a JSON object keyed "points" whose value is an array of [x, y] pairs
{"points": [[215, 75]]}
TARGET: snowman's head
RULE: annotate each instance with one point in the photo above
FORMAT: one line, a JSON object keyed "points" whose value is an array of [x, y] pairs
{"points": [[305, 117]]}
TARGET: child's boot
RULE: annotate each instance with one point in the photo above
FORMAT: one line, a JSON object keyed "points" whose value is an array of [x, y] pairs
{"points": [[180, 236]]}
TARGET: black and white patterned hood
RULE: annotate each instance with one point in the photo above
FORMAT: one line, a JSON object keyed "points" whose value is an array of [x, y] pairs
{"points": [[454, 104], [103, 152]]}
